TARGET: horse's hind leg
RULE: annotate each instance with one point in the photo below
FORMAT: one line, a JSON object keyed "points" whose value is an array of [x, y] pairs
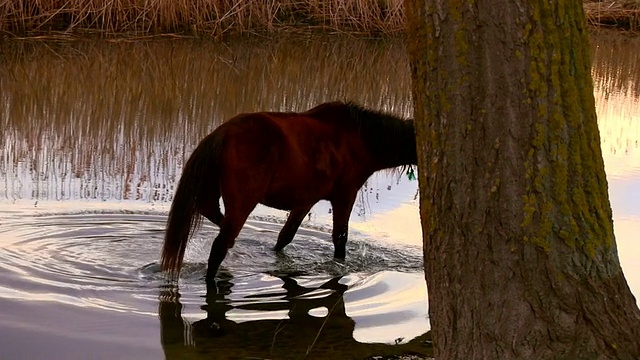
{"points": [[230, 227], [210, 208], [214, 215], [290, 227]]}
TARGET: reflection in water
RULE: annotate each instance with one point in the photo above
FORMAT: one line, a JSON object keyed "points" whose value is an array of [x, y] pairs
{"points": [[616, 68], [217, 332], [115, 120], [294, 321], [101, 268], [616, 75]]}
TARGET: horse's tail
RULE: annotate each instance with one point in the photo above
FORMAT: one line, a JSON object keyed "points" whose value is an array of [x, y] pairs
{"points": [[199, 182]]}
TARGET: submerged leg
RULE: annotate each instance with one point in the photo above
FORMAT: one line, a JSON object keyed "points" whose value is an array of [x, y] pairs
{"points": [[290, 227], [229, 230], [341, 211]]}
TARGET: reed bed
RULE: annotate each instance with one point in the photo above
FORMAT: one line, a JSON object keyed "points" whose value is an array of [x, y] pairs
{"points": [[618, 13], [199, 17], [214, 18]]}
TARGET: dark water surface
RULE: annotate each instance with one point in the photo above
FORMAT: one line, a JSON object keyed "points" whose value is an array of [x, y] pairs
{"points": [[95, 135]]}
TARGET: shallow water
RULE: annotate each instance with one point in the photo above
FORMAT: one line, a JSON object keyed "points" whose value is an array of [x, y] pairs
{"points": [[92, 278], [89, 168]]}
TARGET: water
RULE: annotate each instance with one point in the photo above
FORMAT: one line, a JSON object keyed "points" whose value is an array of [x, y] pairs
{"points": [[92, 277], [95, 136]]}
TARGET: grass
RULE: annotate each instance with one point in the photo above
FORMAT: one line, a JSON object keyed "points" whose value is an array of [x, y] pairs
{"points": [[213, 18]]}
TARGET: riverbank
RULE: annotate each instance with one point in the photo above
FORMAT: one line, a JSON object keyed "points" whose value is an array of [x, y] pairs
{"points": [[623, 14], [215, 18]]}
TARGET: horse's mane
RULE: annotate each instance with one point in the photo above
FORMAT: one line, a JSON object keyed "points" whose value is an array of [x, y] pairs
{"points": [[371, 123], [381, 131], [374, 123]]}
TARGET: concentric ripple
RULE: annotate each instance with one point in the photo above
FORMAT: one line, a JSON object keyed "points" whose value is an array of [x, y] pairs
{"points": [[100, 269], [80, 259], [109, 260]]}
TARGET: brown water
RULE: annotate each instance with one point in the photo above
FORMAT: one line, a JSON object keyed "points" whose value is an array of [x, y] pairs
{"points": [[94, 138]]}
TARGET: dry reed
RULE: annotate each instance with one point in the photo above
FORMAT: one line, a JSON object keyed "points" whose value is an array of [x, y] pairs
{"points": [[618, 13], [199, 17], [217, 17]]}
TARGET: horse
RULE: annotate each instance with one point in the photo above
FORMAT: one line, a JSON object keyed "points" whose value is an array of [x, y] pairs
{"points": [[284, 160]]}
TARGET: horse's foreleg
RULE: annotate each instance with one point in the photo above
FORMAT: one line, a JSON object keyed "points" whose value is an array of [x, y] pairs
{"points": [[290, 227], [341, 211]]}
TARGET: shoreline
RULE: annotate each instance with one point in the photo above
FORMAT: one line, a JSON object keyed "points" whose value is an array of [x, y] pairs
{"points": [[623, 14], [217, 19]]}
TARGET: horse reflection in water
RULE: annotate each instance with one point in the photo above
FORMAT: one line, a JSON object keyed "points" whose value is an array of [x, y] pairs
{"points": [[298, 336], [288, 161]]}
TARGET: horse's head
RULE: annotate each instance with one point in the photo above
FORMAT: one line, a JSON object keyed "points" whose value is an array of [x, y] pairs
{"points": [[410, 154]]}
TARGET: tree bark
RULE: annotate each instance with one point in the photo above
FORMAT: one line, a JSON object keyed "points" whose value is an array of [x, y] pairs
{"points": [[520, 255]]}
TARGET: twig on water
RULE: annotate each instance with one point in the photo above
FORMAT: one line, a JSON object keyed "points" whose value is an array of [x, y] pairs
{"points": [[278, 329], [322, 326]]}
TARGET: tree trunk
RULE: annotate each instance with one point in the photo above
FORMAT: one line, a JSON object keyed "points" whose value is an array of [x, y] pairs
{"points": [[520, 255]]}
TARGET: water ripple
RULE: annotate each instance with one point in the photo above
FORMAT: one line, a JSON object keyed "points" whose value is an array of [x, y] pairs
{"points": [[61, 256]]}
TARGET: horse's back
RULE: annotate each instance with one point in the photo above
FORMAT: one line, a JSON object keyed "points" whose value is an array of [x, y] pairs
{"points": [[288, 132], [336, 111], [283, 122], [296, 157]]}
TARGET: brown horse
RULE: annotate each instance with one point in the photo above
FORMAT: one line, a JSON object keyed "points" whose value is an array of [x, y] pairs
{"points": [[288, 161]]}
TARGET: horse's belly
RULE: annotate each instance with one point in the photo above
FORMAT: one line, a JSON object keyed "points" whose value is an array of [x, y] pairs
{"points": [[280, 204], [294, 197], [301, 181]]}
